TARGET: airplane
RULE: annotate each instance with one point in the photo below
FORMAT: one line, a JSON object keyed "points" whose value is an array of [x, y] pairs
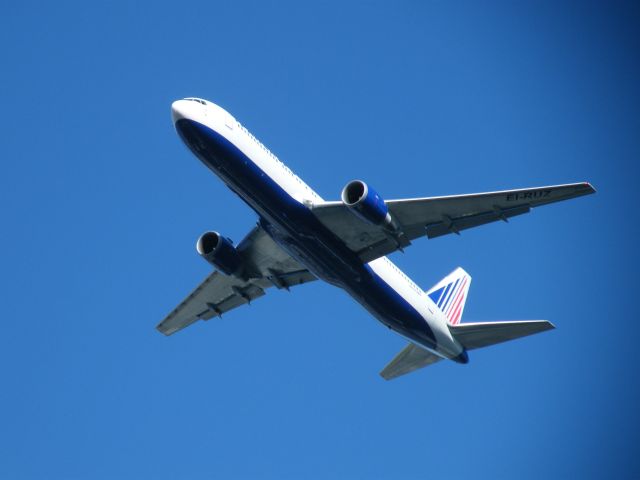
{"points": [[300, 238]]}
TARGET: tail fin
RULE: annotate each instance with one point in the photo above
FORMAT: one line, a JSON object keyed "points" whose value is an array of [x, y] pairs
{"points": [[450, 294]]}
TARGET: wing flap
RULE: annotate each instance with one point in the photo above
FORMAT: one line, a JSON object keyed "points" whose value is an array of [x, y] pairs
{"points": [[409, 359], [456, 224]]}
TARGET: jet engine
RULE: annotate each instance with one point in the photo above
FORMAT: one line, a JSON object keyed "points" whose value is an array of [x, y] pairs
{"points": [[365, 202], [219, 252]]}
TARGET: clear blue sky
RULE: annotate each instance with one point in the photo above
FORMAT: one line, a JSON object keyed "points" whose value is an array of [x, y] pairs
{"points": [[101, 207]]}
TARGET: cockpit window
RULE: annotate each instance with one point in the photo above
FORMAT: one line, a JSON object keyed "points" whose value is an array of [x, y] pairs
{"points": [[190, 99]]}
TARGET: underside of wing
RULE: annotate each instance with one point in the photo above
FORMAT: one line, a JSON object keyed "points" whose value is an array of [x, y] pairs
{"points": [[436, 216], [367, 240], [267, 260], [218, 293]]}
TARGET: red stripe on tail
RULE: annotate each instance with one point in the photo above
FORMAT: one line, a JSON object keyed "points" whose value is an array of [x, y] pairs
{"points": [[456, 316], [459, 296]]}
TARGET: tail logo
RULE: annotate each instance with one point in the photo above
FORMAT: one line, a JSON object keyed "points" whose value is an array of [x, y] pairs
{"points": [[450, 299]]}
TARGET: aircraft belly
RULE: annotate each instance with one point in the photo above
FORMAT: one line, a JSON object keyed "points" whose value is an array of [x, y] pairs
{"points": [[299, 232]]}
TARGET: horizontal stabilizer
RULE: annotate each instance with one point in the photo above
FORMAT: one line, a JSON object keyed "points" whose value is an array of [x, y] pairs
{"points": [[478, 335], [409, 359]]}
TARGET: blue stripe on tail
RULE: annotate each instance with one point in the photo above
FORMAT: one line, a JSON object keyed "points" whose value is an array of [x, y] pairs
{"points": [[445, 304], [435, 296]]}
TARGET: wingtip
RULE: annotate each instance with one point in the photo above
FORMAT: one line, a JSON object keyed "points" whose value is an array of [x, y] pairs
{"points": [[163, 330], [590, 188], [544, 325]]}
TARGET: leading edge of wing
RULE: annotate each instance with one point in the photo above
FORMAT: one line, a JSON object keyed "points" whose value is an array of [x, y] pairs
{"points": [[579, 189]]}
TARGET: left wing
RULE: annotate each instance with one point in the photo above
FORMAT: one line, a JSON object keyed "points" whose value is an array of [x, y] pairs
{"points": [[436, 216], [219, 293]]}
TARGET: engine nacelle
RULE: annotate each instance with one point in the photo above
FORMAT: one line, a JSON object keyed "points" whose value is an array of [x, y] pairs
{"points": [[219, 252], [365, 202]]}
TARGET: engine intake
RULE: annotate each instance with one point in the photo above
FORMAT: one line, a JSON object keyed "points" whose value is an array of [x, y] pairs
{"points": [[365, 202], [219, 252]]}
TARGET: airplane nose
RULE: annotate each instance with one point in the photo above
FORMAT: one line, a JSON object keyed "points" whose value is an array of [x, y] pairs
{"points": [[178, 110]]}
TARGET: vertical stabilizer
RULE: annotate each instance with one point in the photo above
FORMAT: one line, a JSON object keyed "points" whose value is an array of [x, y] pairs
{"points": [[450, 294]]}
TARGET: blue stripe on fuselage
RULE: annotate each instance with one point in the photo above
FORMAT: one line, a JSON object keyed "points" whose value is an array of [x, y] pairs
{"points": [[298, 231]]}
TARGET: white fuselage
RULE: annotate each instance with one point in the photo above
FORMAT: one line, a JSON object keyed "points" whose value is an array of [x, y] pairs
{"points": [[223, 124]]}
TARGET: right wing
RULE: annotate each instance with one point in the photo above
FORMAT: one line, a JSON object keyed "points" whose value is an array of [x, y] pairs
{"points": [[219, 293], [436, 216]]}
